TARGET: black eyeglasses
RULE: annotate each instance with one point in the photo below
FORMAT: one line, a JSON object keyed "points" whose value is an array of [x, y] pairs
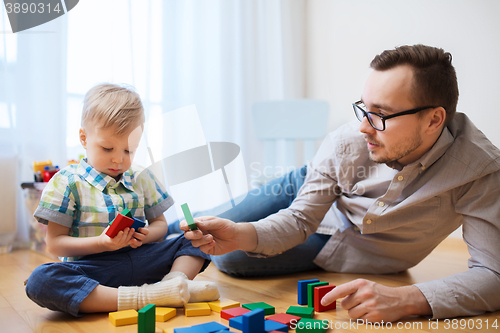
{"points": [[376, 120]]}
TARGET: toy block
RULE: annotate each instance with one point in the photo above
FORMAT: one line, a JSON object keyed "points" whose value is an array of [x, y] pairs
{"points": [[254, 322], [225, 304], [310, 292], [164, 314], [302, 290], [319, 292], [311, 326], [146, 319], [268, 309], [190, 329], [119, 223], [301, 311], [211, 327], [284, 318], [237, 322], [233, 312], [189, 218], [126, 317], [270, 325], [137, 224], [197, 309], [126, 212]]}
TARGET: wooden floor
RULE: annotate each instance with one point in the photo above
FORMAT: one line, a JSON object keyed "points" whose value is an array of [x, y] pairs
{"points": [[19, 314]]}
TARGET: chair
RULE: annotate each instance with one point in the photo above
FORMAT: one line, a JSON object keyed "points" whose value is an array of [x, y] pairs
{"points": [[282, 124]]}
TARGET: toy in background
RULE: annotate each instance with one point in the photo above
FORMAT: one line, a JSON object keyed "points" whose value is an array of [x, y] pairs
{"points": [[44, 170]]}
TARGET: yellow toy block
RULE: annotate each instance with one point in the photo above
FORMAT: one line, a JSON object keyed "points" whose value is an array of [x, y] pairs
{"points": [[126, 317], [164, 314], [224, 304], [197, 309]]}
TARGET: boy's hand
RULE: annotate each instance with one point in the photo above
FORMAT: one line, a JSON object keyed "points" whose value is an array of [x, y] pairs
{"points": [[138, 237], [123, 238]]}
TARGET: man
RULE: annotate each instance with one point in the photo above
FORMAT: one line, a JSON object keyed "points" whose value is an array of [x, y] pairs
{"points": [[380, 199]]}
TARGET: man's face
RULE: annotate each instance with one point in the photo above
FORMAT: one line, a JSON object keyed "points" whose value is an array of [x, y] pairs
{"points": [[108, 152], [388, 92]]}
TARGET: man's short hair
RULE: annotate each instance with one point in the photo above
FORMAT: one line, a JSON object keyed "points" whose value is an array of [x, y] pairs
{"points": [[435, 79], [107, 105]]}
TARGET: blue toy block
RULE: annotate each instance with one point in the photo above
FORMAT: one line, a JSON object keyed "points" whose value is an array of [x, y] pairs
{"points": [[212, 327], [253, 322], [302, 290], [270, 325], [190, 329], [137, 224], [236, 322]]}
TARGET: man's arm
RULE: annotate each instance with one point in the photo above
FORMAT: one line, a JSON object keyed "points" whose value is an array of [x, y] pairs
{"points": [[478, 289]]}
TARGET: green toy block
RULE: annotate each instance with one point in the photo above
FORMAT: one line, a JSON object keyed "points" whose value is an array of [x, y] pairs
{"points": [[126, 212], [268, 309], [301, 311], [189, 217], [147, 319], [311, 326], [310, 292]]}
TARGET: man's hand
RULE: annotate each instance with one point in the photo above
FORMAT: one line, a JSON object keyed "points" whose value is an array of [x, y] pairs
{"points": [[218, 236], [374, 302]]}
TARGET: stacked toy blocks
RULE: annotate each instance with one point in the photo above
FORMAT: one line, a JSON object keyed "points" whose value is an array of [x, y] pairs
{"points": [[122, 221], [255, 322]]}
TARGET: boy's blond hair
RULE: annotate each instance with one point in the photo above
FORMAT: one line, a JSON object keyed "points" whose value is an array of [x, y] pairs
{"points": [[106, 105]]}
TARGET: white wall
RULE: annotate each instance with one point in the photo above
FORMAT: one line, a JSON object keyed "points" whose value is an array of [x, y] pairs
{"points": [[345, 35]]}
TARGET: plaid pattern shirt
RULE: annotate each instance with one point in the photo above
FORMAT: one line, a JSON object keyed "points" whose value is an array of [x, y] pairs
{"points": [[85, 200]]}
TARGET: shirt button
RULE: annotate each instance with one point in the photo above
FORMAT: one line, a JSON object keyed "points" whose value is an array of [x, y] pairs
{"points": [[357, 229], [120, 209], [400, 178], [422, 168], [368, 221], [381, 204]]}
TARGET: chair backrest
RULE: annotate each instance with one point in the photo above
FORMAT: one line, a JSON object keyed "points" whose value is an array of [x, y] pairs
{"points": [[281, 124]]}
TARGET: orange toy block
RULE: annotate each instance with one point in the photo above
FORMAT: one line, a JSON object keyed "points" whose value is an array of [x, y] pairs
{"points": [[225, 304], [126, 317], [197, 309], [319, 292], [164, 314]]}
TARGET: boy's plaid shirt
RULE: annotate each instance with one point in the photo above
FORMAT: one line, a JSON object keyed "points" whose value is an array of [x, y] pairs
{"points": [[85, 200]]}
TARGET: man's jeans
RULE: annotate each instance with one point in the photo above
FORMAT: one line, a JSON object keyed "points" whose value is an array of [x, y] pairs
{"points": [[258, 204]]}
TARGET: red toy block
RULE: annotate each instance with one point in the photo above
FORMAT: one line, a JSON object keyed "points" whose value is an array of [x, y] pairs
{"points": [[284, 318], [319, 292], [233, 312], [119, 223]]}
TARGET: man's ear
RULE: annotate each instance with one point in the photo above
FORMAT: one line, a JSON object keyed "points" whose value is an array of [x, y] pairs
{"points": [[83, 137], [437, 118]]}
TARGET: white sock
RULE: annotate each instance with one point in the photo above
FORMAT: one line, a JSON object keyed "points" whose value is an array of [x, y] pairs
{"points": [[199, 291], [173, 292]]}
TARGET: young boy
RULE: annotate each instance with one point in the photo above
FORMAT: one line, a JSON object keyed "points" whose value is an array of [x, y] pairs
{"points": [[99, 273]]}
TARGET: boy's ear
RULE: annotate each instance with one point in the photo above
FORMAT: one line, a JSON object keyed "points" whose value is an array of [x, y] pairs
{"points": [[83, 137]]}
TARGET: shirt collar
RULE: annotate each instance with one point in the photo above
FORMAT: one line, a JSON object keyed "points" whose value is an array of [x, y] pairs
{"points": [[101, 180]]}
